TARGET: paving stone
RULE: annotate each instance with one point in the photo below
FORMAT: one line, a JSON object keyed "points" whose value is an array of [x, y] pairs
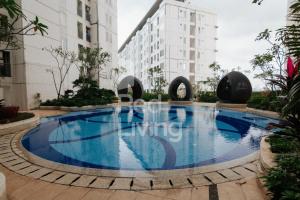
{"points": [[67, 179], [231, 175], [7, 155], [121, 184], [28, 170], [252, 190], [102, 183], [244, 172], [52, 176], [200, 193], [230, 191], [6, 151], [13, 162], [19, 166], [3, 160], [74, 193], [84, 181], [251, 167], [180, 182], [161, 183], [199, 180], [98, 194], [141, 184], [39, 173], [215, 177]]}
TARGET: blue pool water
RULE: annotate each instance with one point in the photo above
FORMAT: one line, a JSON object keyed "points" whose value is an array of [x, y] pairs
{"points": [[150, 137]]}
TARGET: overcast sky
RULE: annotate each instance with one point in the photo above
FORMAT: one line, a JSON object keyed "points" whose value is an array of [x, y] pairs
{"points": [[239, 23]]}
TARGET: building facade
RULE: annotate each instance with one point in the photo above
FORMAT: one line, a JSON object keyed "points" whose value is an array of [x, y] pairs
{"points": [[71, 25], [175, 35]]}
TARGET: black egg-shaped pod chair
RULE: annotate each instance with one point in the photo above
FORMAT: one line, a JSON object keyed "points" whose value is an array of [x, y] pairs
{"points": [[136, 86], [174, 87]]}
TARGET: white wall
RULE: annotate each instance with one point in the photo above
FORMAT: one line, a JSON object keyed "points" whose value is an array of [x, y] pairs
{"points": [[29, 64]]}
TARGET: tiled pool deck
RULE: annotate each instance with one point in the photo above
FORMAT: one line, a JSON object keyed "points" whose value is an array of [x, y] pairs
{"points": [[29, 179]]}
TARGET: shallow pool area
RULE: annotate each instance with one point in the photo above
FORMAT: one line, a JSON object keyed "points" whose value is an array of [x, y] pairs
{"points": [[145, 138]]}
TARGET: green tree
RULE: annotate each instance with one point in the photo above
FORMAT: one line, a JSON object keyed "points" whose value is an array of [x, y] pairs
{"points": [[269, 65], [92, 61], [10, 28], [157, 80], [218, 72], [115, 75], [64, 60]]}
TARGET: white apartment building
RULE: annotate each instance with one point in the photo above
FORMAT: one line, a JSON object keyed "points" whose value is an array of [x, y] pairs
{"points": [[175, 35], [24, 79]]}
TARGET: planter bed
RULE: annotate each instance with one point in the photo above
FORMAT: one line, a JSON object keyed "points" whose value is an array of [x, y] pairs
{"points": [[19, 125], [73, 109]]}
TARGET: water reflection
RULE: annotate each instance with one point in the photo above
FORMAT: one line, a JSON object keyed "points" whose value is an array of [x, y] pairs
{"points": [[146, 137]]}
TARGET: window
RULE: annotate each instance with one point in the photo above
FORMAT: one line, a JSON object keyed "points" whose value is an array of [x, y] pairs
{"points": [[88, 13], [3, 23], [162, 53], [80, 48], [79, 8], [80, 30], [88, 34], [5, 70]]}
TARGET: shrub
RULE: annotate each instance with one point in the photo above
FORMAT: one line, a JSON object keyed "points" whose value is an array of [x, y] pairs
{"points": [[98, 97], [208, 97], [265, 101], [19, 117], [151, 96], [282, 144], [8, 112], [283, 181]]}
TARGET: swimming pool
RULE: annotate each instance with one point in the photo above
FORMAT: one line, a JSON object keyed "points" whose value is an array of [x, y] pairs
{"points": [[149, 137]]}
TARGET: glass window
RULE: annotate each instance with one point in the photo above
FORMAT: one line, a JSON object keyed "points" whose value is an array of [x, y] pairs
{"points": [[88, 34], [5, 66], [79, 8], [88, 13], [80, 30]]}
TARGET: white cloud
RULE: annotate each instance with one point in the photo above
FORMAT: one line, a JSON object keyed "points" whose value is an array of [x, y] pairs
{"points": [[240, 21]]}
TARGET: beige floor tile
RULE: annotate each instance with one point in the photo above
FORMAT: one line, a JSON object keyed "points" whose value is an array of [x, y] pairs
{"points": [[99, 194], [141, 184], [123, 195], [102, 183], [230, 191], [19, 166], [121, 184], [251, 166], [39, 173], [48, 193], [67, 179], [200, 193], [28, 170], [180, 182], [13, 182], [28, 189], [215, 177], [143, 196], [199, 180], [231, 175], [161, 183], [177, 194], [244, 172], [73, 193], [84, 181], [252, 191], [53, 176]]}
